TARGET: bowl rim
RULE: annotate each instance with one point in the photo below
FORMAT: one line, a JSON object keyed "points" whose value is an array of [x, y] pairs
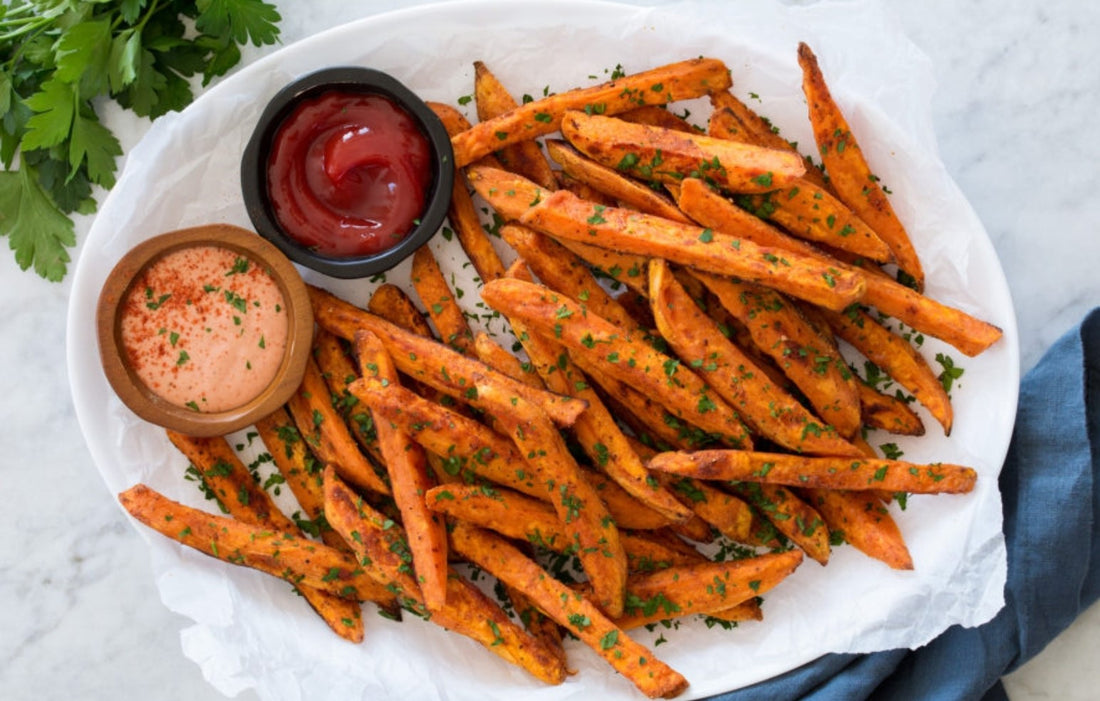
{"points": [[353, 79], [146, 403]]}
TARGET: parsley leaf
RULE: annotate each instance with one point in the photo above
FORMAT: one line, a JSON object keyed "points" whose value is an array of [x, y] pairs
{"points": [[57, 59]]}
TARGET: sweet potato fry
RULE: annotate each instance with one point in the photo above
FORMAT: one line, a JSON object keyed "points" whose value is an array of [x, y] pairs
{"points": [[462, 442], [282, 554], [659, 116], [525, 157], [570, 609], [301, 471], [620, 267], [509, 194], [848, 170], [392, 304], [683, 80], [710, 209], [821, 472], [810, 212], [595, 429], [887, 412], [778, 329], [492, 354], [786, 515], [963, 331], [619, 354], [733, 119], [327, 433], [627, 511], [407, 466], [524, 518], [339, 371], [584, 516], [703, 588], [563, 215], [765, 407], [461, 212], [503, 511], [726, 513], [430, 362], [439, 300], [611, 182], [667, 155], [563, 271], [467, 610], [896, 357], [865, 523], [230, 481]]}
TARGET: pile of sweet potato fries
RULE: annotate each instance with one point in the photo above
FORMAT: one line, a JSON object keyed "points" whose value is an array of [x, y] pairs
{"points": [[679, 294]]}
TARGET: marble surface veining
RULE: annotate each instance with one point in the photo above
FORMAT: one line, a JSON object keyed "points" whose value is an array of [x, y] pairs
{"points": [[1018, 91]]}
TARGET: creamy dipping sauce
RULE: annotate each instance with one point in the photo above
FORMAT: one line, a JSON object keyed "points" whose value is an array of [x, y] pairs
{"points": [[204, 328]]}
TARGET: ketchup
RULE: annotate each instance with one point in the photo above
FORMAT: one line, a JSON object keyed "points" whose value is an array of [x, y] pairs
{"points": [[348, 173]]}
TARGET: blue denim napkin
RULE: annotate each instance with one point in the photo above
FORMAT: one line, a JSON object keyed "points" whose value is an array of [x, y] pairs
{"points": [[1048, 485]]}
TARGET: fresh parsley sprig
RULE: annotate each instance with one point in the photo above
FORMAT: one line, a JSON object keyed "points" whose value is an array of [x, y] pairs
{"points": [[58, 60]]}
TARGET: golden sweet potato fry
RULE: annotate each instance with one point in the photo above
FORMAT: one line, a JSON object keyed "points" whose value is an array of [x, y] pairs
{"points": [[659, 116], [627, 511], [619, 354], [525, 157], [699, 342], [430, 362], [710, 209], [810, 212], [848, 170], [570, 609], [283, 554], [462, 442], [595, 429], [231, 482], [509, 194], [667, 155], [703, 587], [963, 331], [392, 304], [327, 433], [461, 212], [382, 546], [620, 267], [492, 354], [779, 330], [733, 119], [821, 472], [788, 515], [300, 469], [613, 183], [865, 523], [683, 80], [887, 412], [563, 271], [584, 516], [339, 371], [563, 215], [897, 358], [407, 466], [438, 298]]}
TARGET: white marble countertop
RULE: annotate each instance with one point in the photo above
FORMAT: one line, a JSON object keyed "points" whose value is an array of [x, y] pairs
{"points": [[1018, 93]]}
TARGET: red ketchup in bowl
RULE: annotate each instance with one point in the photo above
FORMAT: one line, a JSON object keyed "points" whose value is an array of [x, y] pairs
{"points": [[348, 173]]}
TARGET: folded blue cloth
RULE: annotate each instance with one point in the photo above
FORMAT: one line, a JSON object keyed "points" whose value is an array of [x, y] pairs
{"points": [[1049, 488]]}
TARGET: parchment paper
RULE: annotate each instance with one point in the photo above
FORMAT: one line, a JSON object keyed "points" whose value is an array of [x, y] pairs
{"points": [[250, 630]]}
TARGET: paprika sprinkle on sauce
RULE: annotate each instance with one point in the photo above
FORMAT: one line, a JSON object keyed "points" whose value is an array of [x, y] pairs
{"points": [[348, 173], [204, 328]]}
